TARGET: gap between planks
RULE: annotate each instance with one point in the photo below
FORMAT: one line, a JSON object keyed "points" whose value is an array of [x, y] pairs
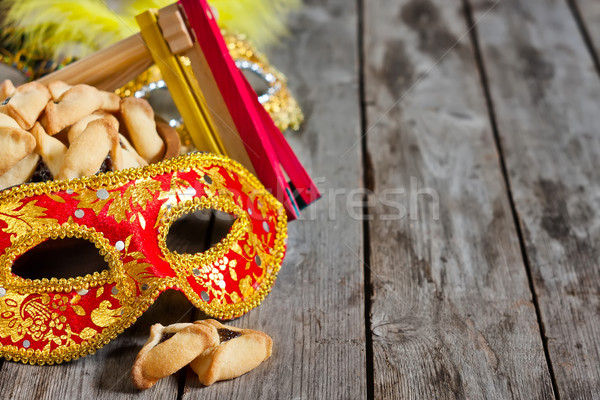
{"points": [[443, 369], [497, 141], [585, 34], [367, 179]]}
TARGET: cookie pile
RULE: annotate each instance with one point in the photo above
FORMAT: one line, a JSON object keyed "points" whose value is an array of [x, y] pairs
{"points": [[61, 131], [214, 351]]}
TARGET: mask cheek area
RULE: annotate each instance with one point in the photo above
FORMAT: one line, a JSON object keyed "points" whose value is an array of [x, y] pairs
{"points": [[60, 258]]}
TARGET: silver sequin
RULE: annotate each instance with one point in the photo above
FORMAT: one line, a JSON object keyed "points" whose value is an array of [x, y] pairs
{"points": [[102, 194], [270, 79], [189, 191]]}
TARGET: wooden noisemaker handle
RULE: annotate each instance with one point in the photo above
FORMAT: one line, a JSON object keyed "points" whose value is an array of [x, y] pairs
{"points": [[108, 68]]}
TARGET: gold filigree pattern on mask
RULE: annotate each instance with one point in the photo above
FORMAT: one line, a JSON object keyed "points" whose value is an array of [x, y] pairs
{"points": [[121, 293]]}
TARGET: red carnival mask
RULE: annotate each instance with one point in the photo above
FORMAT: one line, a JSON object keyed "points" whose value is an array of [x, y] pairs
{"points": [[127, 215]]}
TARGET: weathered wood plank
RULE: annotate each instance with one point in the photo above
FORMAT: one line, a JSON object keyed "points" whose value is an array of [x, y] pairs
{"points": [[452, 313], [546, 93], [315, 313]]}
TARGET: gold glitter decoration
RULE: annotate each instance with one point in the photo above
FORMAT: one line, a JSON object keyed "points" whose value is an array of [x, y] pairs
{"points": [[282, 106]]}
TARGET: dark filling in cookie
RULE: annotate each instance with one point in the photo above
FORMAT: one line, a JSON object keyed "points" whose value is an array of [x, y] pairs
{"points": [[41, 173], [226, 334], [106, 165], [166, 336]]}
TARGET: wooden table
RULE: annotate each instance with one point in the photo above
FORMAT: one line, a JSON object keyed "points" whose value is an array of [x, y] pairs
{"points": [[455, 251]]}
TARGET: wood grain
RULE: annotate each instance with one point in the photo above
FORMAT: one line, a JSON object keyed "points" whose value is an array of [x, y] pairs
{"points": [[545, 92], [452, 313], [315, 312]]}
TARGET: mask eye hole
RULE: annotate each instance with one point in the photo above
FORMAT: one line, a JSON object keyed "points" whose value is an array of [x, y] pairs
{"points": [[196, 232], [60, 258]]}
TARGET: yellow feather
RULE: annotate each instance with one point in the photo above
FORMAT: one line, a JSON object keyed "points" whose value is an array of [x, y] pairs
{"points": [[64, 28], [60, 29], [263, 21]]}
